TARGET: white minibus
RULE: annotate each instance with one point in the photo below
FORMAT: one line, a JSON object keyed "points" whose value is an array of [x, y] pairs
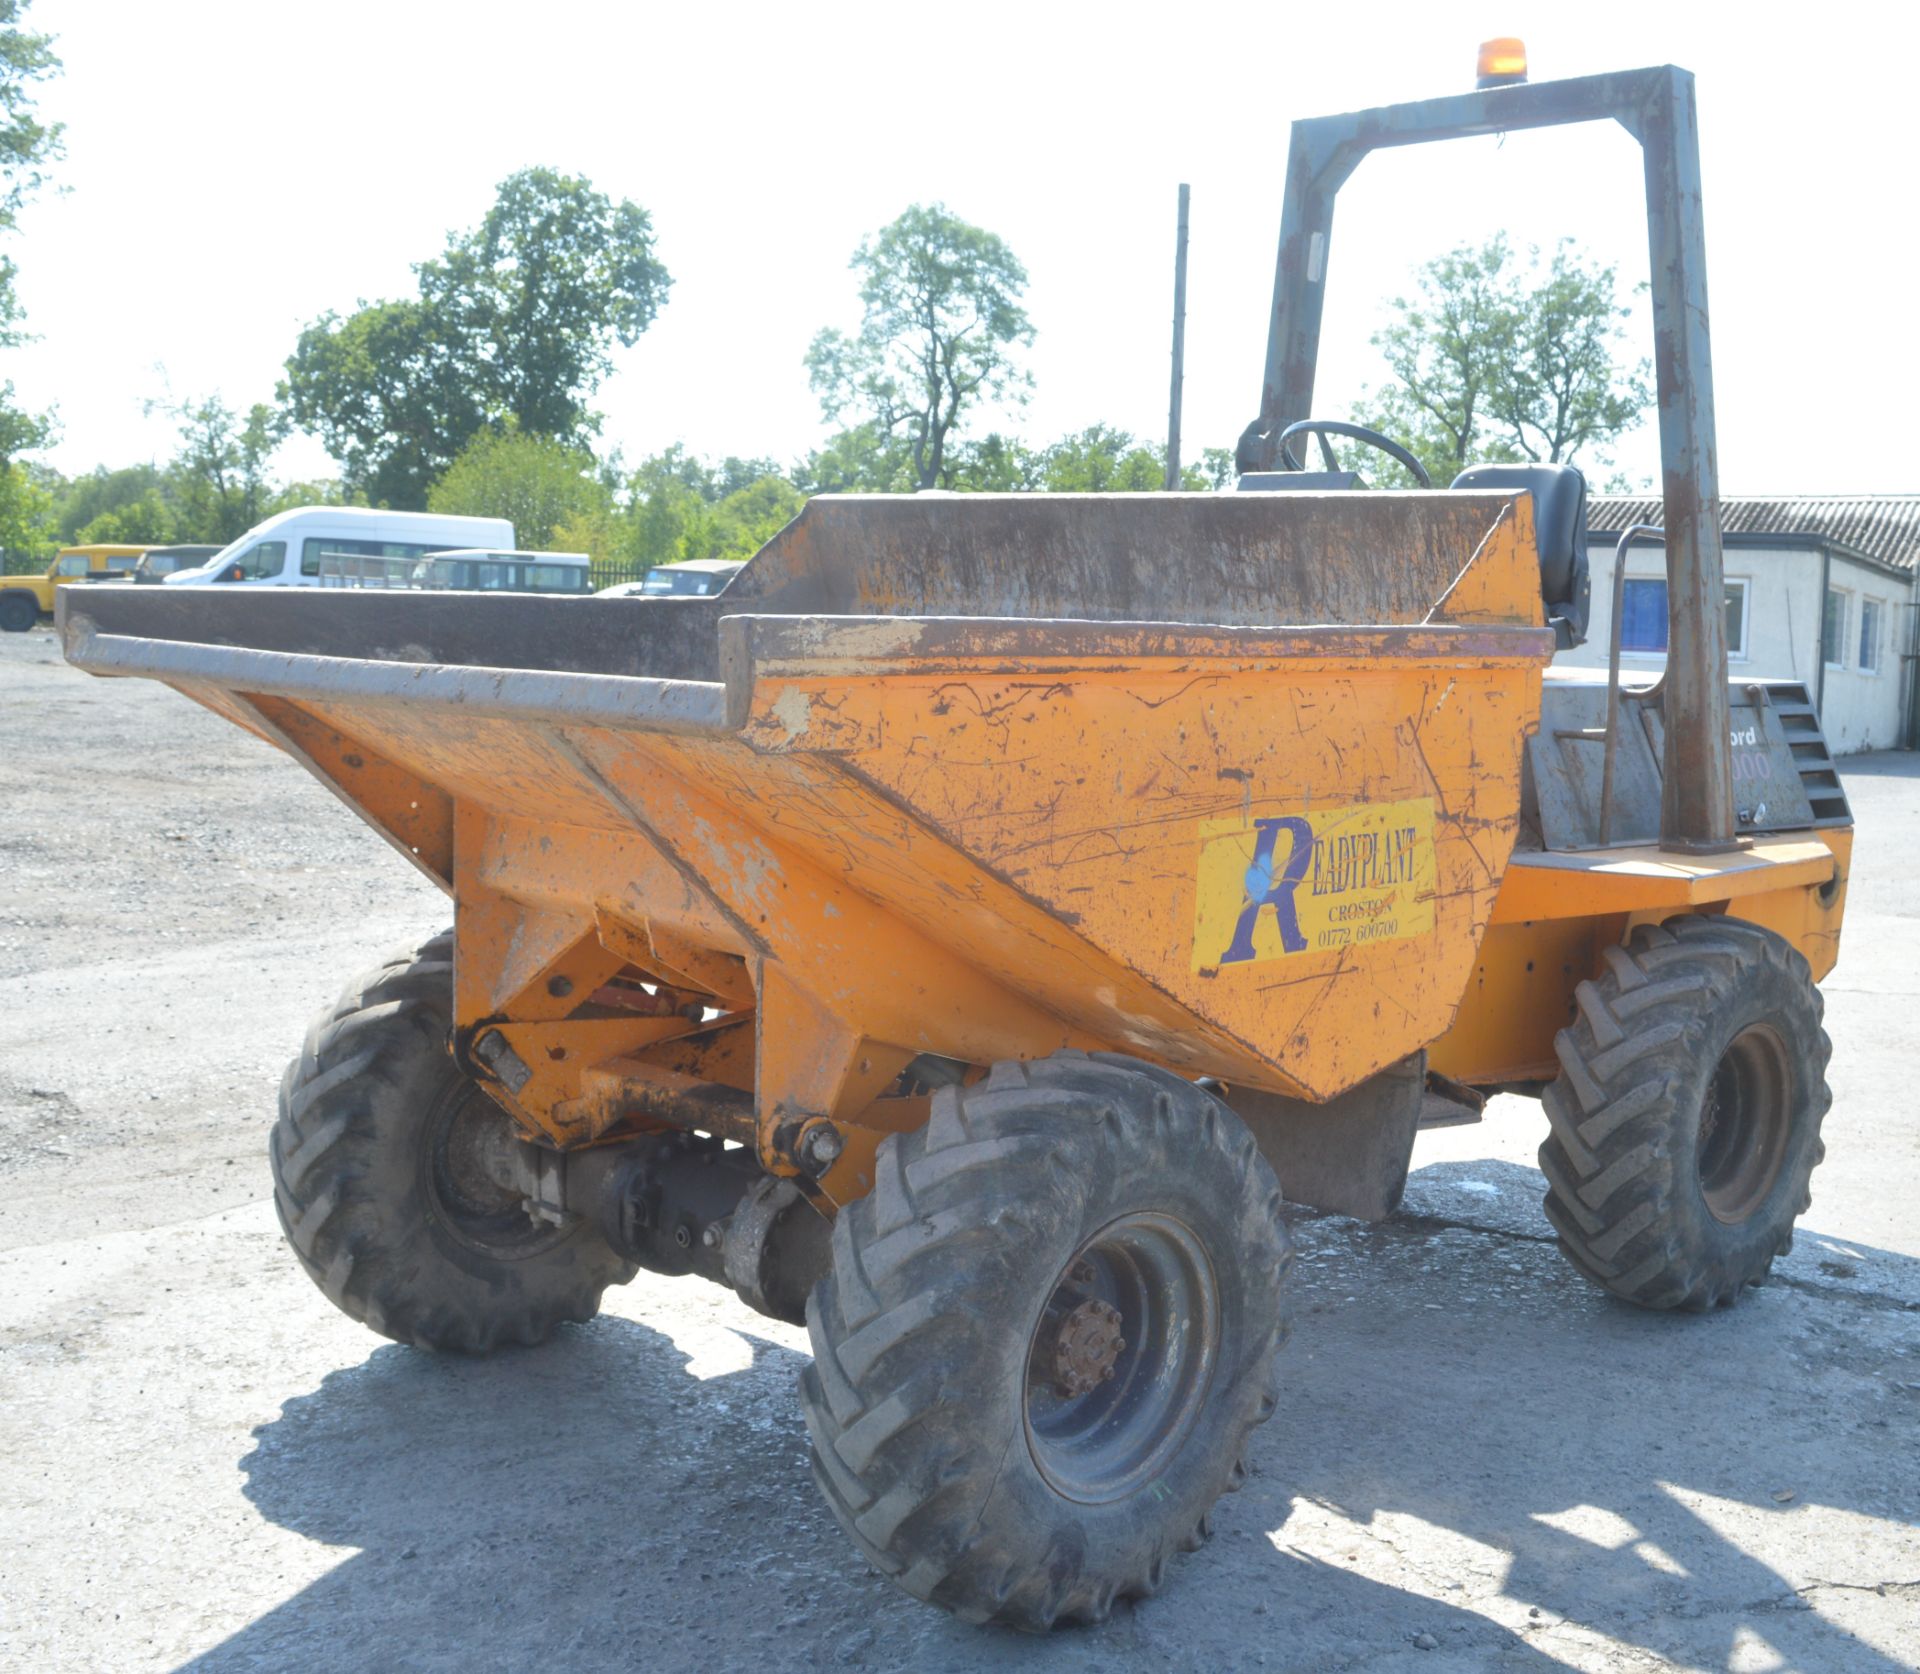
{"points": [[286, 550]]}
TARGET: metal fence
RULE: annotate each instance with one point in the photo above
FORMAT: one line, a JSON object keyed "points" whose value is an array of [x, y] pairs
{"points": [[607, 573]]}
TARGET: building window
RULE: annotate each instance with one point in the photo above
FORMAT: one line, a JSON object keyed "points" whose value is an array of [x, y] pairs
{"points": [[1870, 613], [1833, 628], [1737, 618], [1643, 615]]}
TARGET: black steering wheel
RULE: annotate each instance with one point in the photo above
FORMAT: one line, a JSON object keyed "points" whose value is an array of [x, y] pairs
{"points": [[1323, 428]]}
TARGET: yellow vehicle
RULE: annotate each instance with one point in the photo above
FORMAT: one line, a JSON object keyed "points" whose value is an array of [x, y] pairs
{"points": [[960, 931], [27, 599]]}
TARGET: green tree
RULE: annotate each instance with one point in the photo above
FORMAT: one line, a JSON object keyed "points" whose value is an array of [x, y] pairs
{"points": [[28, 148], [1101, 460], [1495, 360], [538, 294], [746, 519], [996, 464], [27, 145], [103, 493], [146, 521], [678, 507], [734, 473], [540, 484], [1216, 469], [388, 392], [1448, 350], [220, 480], [515, 322], [216, 487], [669, 510], [27, 505], [860, 460], [312, 491], [941, 326], [1565, 390]]}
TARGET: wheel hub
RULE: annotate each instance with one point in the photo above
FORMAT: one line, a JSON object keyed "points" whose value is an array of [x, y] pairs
{"points": [[1121, 1358], [480, 1162], [474, 1176], [1745, 1125], [1087, 1347]]}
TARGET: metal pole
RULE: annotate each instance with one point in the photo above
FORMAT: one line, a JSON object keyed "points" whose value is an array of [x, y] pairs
{"points": [[1820, 636], [1910, 722], [1179, 345], [1696, 780]]}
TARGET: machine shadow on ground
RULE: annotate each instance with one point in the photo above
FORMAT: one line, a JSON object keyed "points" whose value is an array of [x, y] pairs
{"points": [[1563, 1432], [671, 1522]]}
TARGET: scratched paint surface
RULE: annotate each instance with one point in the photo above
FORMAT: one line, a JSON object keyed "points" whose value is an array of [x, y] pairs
{"points": [[1091, 795]]}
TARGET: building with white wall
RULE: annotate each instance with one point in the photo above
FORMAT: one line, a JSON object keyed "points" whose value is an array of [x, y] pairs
{"points": [[1820, 588]]}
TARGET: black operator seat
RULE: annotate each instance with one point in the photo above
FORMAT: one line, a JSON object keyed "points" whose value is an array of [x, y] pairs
{"points": [[1560, 529]]}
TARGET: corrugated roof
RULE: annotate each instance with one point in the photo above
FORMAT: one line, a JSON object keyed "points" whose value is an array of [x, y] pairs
{"points": [[1884, 526]]}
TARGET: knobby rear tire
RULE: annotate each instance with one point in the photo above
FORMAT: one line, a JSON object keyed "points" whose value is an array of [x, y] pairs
{"points": [[364, 1190], [1653, 1196], [919, 1398]]}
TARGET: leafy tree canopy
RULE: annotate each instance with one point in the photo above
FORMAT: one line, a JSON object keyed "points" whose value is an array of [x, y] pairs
{"points": [[220, 475], [1102, 459], [26, 514], [541, 484], [215, 487], [386, 392], [28, 148], [1495, 359], [860, 460], [27, 144], [680, 508], [150, 520], [102, 493], [538, 294], [515, 324], [939, 336]]}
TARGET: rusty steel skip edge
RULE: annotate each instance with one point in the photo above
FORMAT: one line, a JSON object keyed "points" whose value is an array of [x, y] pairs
{"points": [[1269, 855]]}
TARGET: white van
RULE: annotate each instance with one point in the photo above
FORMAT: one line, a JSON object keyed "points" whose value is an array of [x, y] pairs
{"points": [[462, 571], [287, 549]]}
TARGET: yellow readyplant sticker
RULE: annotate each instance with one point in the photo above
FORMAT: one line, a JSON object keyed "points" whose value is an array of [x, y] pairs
{"points": [[1313, 883]]}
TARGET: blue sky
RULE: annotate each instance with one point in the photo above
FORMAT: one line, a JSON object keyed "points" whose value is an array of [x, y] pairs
{"points": [[236, 169]]}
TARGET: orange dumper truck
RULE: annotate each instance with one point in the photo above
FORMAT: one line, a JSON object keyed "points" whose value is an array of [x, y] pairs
{"points": [[960, 932]]}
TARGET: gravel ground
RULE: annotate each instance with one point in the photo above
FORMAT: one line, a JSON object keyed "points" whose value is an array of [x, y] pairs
{"points": [[1479, 1463]]}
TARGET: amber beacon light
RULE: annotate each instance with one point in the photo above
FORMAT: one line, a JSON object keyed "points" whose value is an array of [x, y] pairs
{"points": [[1503, 62]]}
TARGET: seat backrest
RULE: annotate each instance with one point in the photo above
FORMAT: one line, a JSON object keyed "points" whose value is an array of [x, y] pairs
{"points": [[1560, 531]]}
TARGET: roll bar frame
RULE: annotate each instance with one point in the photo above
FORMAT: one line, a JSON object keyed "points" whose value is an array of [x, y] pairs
{"points": [[1656, 106]]}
